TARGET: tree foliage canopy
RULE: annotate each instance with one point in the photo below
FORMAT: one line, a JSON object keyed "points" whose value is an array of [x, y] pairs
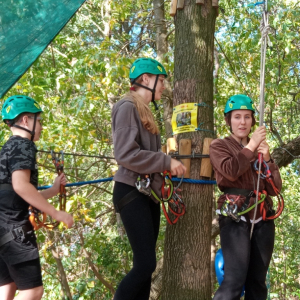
{"points": [[85, 70]]}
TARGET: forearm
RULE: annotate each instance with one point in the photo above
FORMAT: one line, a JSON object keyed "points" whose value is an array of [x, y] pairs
{"points": [[29, 193], [49, 193]]}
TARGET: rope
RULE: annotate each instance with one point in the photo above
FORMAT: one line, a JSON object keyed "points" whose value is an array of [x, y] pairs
{"points": [[111, 178], [264, 28]]}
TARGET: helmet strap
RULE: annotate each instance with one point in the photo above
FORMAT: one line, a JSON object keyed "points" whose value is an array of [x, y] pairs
{"points": [[32, 132], [147, 88]]}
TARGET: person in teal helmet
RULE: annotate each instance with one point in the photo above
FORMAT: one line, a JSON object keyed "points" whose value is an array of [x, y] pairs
{"points": [[19, 258], [246, 259], [137, 147]]}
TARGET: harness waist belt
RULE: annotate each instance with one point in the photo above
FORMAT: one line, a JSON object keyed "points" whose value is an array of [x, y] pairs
{"points": [[127, 199], [243, 192], [6, 187], [15, 233]]}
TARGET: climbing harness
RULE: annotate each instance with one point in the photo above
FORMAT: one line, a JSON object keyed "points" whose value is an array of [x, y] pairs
{"points": [[230, 206], [16, 233], [176, 205], [38, 218]]}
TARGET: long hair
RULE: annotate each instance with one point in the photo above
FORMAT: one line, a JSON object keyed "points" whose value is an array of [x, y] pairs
{"points": [[143, 109]]}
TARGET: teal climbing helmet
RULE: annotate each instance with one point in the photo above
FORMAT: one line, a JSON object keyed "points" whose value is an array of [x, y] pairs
{"points": [[18, 104], [146, 65], [239, 102]]}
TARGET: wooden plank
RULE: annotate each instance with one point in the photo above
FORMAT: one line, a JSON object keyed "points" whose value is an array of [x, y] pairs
{"points": [[201, 2], [185, 148], [171, 145], [173, 8], [180, 4], [206, 167], [215, 3]]}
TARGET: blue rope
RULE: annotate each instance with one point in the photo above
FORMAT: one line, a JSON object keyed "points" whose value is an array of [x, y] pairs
{"points": [[198, 181], [78, 183], [111, 178]]}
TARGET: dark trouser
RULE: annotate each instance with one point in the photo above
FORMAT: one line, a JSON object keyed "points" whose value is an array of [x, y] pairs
{"points": [[141, 218], [246, 261]]}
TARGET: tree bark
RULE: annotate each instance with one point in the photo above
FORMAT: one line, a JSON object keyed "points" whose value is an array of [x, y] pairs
{"points": [[286, 154], [162, 49], [156, 282], [94, 267], [63, 277], [187, 260]]}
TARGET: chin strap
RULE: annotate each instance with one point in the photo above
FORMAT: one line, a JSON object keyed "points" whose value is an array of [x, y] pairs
{"points": [[32, 132], [147, 88]]}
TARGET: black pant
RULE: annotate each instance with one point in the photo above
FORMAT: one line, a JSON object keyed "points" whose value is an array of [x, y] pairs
{"points": [[246, 261], [141, 218]]}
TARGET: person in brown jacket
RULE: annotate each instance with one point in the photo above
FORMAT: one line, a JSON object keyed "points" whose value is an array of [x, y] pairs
{"points": [[137, 150], [246, 259]]}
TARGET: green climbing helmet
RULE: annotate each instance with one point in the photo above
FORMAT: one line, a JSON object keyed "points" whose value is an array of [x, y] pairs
{"points": [[239, 102], [146, 65], [18, 104]]}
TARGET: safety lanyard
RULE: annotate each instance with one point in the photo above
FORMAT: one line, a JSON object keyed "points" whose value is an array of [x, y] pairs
{"points": [[175, 204], [38, 218]]}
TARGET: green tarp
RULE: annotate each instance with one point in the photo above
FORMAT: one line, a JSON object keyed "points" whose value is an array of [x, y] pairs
{"points": [[26, 29]]}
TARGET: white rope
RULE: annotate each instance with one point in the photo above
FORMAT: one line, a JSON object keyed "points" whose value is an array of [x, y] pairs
{"points": [[264, 29]]}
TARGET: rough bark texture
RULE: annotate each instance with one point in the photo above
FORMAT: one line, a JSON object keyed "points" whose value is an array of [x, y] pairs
{"points": [[286, 154], [187, 259], [63, 278], [161, 50], [156, 281]]}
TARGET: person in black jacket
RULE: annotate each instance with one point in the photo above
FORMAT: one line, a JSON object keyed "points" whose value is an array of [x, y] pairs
{"points": [[19, 258]]}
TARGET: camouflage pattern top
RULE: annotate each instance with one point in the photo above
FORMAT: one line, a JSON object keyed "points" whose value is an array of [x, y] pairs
{"points": [[17, 154]]}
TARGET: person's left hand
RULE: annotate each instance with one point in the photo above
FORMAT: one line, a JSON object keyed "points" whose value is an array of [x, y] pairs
{"points": [[263, 148], [61, 179]]}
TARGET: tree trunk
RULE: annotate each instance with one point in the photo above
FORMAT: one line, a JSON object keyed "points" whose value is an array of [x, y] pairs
{"points": [[63, 277], [93, 267], [162, 49], [186, 271], [60, 267], [156, 281]]}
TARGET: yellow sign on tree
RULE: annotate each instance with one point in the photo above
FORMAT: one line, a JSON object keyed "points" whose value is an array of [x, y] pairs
{"points": [[184, 118]]}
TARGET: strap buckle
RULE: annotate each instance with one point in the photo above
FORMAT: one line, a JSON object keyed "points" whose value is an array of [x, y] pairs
{"points": [[20, 232]]}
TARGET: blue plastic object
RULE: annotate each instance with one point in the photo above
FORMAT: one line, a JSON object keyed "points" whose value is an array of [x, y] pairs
{"points": [[219, 268]]}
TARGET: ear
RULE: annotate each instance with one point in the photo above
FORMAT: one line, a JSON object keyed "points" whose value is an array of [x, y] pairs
{"points": [[145, 78]]}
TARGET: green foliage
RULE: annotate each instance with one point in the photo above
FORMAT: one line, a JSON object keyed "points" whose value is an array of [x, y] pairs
{"points": [[86, 69]]}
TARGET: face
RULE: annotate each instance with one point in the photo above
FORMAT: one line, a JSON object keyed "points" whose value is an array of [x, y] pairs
{"points": [[160, 86], [149, 81], [241, 122]]}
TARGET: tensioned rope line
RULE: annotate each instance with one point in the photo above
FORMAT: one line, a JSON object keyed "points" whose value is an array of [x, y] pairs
{"points": [[187, 180], [264, 28]]}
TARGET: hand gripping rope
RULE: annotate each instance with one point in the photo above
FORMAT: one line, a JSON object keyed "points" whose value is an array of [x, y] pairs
{"points": [[35, 214], [175, 203]]}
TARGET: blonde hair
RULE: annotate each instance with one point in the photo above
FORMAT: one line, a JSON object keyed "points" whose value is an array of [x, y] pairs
{"points": [[143, 109]]}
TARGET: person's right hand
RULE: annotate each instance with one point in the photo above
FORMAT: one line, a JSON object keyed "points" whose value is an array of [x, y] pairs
{"points": [[257, 137], [177, 168], [64, 217]]}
